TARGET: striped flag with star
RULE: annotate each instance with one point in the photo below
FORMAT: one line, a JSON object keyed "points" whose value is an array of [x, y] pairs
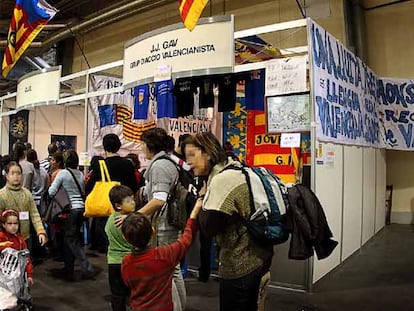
{"points": [[29, 18], [190, 11]]}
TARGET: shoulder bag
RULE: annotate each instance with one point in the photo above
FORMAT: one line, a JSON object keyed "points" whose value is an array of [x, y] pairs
{"points": [[97, 203]]}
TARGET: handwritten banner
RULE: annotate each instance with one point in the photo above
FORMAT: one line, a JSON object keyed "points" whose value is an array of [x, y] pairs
{"points": [[396, 112], [285, 76], [345, 89]]}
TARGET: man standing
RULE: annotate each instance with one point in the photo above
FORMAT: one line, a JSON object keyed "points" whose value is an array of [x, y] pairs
{"points": [[120, 169], [45, 163]]}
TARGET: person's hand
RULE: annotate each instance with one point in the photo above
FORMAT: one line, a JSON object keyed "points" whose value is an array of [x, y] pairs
{"points": [[196, 209], [119, 220], [6, 244], [30, 281], [42, 239], [203, 190]]}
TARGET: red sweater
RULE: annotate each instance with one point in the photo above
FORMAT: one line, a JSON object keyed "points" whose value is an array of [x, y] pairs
{"points": [[18, 244], [149, 273]]}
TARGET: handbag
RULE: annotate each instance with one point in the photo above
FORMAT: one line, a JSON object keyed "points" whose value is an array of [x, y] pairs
{"points": [[56, 209], [97, 203], [53, 209]]}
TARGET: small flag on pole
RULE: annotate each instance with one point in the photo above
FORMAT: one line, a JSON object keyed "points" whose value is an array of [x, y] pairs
{"points": [[29, 18], [190, 11]]}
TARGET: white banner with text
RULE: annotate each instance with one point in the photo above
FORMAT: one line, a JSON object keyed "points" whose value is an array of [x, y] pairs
{"points": [[346, 109]]}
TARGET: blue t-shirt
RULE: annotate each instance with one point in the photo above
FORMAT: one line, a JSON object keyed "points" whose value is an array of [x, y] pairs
{"points": [[106, 115], [255, 88], [166, 106], [141, 101]]}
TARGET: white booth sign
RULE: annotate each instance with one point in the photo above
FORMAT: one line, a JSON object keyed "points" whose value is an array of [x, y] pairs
{"points": [[208, 49], [39, 87]]}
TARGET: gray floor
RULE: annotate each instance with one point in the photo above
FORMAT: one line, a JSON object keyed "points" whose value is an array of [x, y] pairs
{"points": [[379, 277]]}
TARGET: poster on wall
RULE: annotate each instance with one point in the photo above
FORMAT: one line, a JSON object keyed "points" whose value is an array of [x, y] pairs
{"points": [[18, 128], [289, 113], [345, 89], [64, 142], [286, 76], [396, 113]]}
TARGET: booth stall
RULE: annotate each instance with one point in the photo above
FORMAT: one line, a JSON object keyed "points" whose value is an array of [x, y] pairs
{"points": [[316, 119]]}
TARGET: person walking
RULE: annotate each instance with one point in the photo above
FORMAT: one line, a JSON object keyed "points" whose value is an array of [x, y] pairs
{"points": [[72, 180]]}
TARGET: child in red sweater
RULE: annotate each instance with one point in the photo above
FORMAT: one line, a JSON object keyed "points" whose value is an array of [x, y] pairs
{"points": [[148, 271], [10, 237]]}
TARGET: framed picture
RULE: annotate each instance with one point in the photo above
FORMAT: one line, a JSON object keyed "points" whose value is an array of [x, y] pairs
{"points": [[288, 113], [64, 142]]}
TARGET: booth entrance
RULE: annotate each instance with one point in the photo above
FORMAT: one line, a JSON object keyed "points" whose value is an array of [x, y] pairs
{"points": [[349, 181]]}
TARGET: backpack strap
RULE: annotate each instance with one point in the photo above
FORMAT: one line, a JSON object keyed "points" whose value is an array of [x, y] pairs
{"points": [[174, 184], [246, 176]]}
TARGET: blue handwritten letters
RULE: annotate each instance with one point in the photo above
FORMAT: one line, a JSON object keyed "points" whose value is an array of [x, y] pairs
{"points": [[396, 112], [345, 91]]}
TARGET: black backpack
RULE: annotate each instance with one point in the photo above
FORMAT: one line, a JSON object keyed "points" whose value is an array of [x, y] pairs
{"points": [[176, 203]]}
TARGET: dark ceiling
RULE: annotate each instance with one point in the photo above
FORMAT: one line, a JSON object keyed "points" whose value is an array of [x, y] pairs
{"points": [[70, 12], [74, 16]]}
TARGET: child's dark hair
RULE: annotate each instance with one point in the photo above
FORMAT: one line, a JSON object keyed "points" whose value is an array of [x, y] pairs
{"points": [[118, 193], [7, 213], [137, 230], [11, 164]]}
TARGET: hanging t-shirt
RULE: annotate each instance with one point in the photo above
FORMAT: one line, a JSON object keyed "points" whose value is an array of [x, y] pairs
{"points": [[141, 102], [227, 93], [184, 91], [254, 90], [206, 98], [106, 115], [166, 106]]}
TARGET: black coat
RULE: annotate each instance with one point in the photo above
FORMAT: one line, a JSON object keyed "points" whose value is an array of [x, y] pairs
{"points": [[306, 222]]}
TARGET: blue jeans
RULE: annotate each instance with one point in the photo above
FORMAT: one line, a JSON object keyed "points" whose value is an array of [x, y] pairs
{"points": [[72, 244], [241, 294]]}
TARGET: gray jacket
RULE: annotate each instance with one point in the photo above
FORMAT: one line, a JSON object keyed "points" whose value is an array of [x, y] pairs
{"points": [[159, 177]]}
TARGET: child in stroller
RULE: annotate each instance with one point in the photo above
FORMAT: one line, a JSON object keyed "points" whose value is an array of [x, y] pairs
{"points": [[16, 269]]}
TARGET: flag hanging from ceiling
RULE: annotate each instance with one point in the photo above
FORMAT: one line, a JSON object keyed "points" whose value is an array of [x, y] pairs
{"points": [[29, 18], [190, 11]]}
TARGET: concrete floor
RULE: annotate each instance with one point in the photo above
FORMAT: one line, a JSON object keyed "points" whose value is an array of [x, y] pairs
{"points": [[378, 277]]}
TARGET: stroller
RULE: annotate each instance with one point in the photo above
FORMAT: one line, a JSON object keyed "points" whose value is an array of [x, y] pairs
{"points": [[13, 280]]}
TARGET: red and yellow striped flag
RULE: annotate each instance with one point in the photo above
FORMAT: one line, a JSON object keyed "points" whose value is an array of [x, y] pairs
{"points": [[29, 18], [190, 11]]}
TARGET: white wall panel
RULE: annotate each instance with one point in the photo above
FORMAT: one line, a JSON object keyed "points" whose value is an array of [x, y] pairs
{"points": [[328, 189], [368, 186], [352, 208], [56, 119]]}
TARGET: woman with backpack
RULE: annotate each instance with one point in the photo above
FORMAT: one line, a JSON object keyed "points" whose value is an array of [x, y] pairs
{"points": [[226, 207]]}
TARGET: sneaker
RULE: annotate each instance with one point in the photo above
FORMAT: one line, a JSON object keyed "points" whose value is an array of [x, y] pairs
{"points": [[90, 275]]}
